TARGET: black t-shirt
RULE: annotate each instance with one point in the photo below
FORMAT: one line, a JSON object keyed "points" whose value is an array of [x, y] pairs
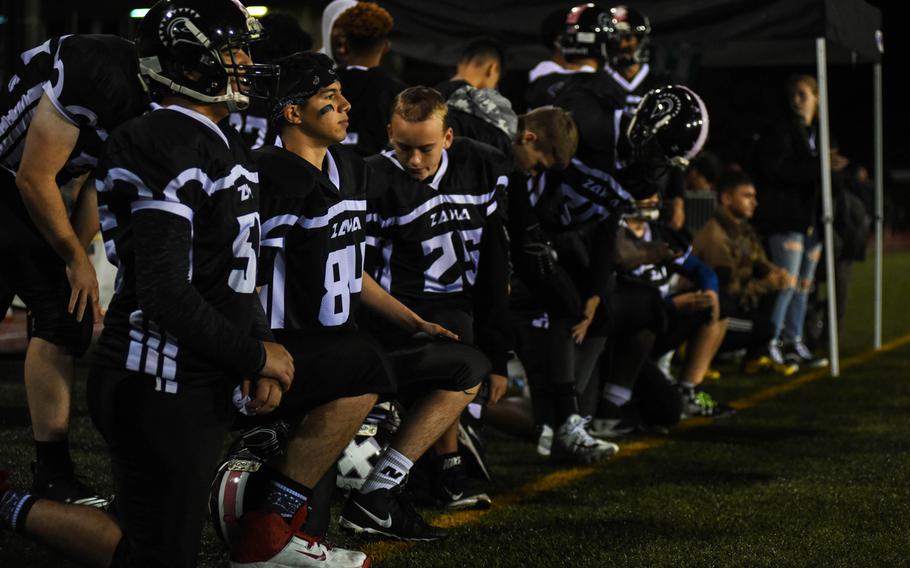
{"points": [[92, 80], [313, 237], [177, 196], [370, 92], [443, 239]]}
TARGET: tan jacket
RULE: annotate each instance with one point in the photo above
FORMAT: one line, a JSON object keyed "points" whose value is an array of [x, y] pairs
{"points": [[733, 250]]}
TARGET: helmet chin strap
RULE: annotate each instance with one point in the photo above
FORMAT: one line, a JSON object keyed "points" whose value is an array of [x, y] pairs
{"points": [[235, 100]]}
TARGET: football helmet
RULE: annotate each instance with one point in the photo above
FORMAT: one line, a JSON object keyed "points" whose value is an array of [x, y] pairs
{"points": [[670, 122], [242, 481], [189, 48], [622, 23], [585, 33]]}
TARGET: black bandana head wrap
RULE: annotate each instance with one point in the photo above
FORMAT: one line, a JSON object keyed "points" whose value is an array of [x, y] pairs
{"points": [[302, 76]]}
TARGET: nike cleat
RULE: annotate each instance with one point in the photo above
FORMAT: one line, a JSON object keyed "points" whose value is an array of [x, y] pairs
{"points": [[387, 512], [573, 442], [66, 488], [267, 541], [455, 491]]}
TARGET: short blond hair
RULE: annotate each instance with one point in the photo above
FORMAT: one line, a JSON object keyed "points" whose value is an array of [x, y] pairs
{"points": [[416, 104], [557, 133]]}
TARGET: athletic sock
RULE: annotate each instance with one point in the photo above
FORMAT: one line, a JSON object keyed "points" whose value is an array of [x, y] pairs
{"points": [[285, 496], [14, 507], [617, 394], [390, 471], [687, 385], [53, 458], [566, 401]]}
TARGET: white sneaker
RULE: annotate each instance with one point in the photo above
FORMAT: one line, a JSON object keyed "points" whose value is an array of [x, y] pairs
{"points": [[545, 442], [267, 541], [572, 441]]}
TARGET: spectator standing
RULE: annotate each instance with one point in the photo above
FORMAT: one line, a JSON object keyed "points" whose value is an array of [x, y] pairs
{"points": [[791, 173]]}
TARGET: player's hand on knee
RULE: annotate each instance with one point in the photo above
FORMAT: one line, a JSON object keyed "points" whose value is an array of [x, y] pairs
{"points": [[268, 396], [435, 330], [279, 364], [84, 284], [498, 385]]}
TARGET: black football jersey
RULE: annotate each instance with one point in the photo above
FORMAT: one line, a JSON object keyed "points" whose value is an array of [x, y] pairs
{"points": [[253, 124], [576, 196], [427, 238], [636, 88], [176, 161], [370, 92], [313, 237], [545, 81], [93, 82], [658, 275], [593, 99]]}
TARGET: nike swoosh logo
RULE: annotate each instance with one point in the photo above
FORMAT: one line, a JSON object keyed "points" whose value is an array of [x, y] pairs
{"points": [[384, 523], [453, 496], [321, 557]]}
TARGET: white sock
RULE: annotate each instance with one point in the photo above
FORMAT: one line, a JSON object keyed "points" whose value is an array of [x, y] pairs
{"points": [[391, 470], [617, 394]]}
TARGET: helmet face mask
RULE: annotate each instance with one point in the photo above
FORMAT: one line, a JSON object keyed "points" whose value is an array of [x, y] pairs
{"points": [[670, 123], [192, 48], [624, 23]]}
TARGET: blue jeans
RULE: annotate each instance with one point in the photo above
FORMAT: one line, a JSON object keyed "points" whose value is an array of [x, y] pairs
{"points": [[798, 254]]}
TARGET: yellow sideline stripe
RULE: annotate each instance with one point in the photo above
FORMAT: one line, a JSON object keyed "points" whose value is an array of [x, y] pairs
{"points": [[381, 550]]}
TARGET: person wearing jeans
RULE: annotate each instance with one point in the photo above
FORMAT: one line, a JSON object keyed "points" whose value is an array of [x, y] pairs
{"points": [[798, 254], [789, 213]]}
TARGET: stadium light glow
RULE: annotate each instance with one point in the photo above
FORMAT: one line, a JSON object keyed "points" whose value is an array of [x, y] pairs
{"points": [[3, 19], [257, 11], [139, 12]]}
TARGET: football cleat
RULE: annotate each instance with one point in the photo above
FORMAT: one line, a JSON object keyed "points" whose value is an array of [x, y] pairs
{"points": [[699, 403], [387, 512], [66, 488], [267, 541], [573, 442], [455, 491]]}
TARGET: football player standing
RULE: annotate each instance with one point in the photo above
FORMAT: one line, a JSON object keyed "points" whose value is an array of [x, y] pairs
{"points": [[56, 111], [178, 204]]}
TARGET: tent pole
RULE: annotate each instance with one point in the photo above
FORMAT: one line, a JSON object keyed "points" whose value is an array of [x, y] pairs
{"points": [[827, 207], [879, 201]]}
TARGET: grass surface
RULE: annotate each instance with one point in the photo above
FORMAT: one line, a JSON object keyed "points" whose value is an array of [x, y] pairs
{"points": [[817, 476]]}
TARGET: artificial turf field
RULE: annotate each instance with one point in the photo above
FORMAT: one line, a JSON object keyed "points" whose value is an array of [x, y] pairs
{"points": [[812, 471]]}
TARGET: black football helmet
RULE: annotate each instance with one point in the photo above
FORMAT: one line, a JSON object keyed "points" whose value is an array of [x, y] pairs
{"points": [[670, 122], [585, 33], [625, 22], [181, 45]]}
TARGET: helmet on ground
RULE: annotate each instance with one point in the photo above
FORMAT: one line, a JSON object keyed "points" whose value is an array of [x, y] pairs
{"points": [[241, 481]]}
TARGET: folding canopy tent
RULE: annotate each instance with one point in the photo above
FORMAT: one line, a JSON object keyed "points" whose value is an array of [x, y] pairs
{"points": [[723, 32]]}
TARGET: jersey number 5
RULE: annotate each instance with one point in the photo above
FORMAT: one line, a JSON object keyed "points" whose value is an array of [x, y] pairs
{"points": [[246, 246]]}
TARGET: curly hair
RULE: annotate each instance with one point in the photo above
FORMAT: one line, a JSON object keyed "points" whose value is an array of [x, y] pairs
{"points": [[365, 26]]}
